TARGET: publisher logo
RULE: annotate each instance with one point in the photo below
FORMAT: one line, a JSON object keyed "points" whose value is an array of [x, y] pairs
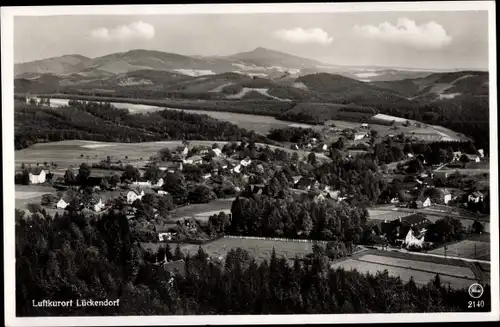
{"points": [[475, 291]]}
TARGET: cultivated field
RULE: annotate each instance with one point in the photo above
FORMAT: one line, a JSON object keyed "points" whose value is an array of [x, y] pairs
{"points": [[420, 277], [456, 271], [203, 211], [467, 249]]}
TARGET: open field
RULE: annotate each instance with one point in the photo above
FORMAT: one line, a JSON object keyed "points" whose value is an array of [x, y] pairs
{"points": [[388, 215], [467, 249], [203, 211], [456, 271], [26, 194], [68, 153], [420, 277], [260, 249]]}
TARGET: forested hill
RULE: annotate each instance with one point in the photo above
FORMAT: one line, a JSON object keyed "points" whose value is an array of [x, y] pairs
{"points": [[102, 122]]}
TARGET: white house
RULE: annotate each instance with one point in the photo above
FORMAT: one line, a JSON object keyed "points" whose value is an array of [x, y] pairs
{"points": [[142, 184], [365, 125], [456, 155], [217, 152], [245, 162], [427, 202], [98, 206], [236, 169], [481, 153], [318, 198], [159, 183], [314, 140], [161, 192], [62, 204], [360, 136], [207, 176], [324, 147], [132, 196], [409, 155], [185, 151], [37, 176], [446, 195], [475, 197], [473, 157], [165, 237]]}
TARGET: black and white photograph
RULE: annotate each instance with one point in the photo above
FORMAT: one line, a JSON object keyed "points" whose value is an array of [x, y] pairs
{"points": [[265, 163]]}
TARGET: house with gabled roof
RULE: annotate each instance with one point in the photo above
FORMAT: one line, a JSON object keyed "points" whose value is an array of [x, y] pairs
{"points": [[475, 197], [445, 195], [133, 195], [37, 175]]}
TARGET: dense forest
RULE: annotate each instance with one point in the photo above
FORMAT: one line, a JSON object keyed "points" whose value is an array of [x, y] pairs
{"points": [[102, 122], [78, 256]]}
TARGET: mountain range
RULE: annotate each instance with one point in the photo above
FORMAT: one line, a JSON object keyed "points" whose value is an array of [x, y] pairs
{"points": [[258, 62]]}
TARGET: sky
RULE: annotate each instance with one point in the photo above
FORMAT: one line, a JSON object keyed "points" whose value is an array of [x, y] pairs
{"points": [[433, 40]]}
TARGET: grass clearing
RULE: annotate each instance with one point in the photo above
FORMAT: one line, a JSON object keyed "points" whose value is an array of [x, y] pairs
{"points": [[260, 249], [204, 210], [388, 215]]}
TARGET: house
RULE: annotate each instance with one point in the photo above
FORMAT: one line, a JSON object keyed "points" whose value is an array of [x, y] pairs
{"points": [[400, 227], [333, 194], [203, 151], [37, 176], [159, 183], [394, 200], [422, 202], [296, 179], [134, 195], [409, 155], [165, 236], [306, 183], [365, 125], [217, 151], [245, 162], [318, 198], [161, 192], [63, 202], [360, 135], [481, 153], [324, 147], [236, 169], [445, 195], [473, 157], [314, 140], [260, 168], [185, 151], [456, 155], [97, 207], [207, 176], [194, 160], [475, 197], [142, 184]]}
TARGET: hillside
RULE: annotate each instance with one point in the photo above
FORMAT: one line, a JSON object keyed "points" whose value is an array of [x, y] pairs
{"points": [[56, 65], [441, 86], [259, 62]]}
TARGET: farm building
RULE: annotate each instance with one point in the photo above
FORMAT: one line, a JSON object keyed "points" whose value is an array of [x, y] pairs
{"points": [[475, 197], [37, 176]]}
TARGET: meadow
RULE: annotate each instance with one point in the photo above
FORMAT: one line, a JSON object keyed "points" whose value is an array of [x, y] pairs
{"points": [[203, 211]]}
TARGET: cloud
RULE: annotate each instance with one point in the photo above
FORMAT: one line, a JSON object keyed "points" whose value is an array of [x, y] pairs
{"points": [[300, 35], [430, 35], [132, 31]]}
